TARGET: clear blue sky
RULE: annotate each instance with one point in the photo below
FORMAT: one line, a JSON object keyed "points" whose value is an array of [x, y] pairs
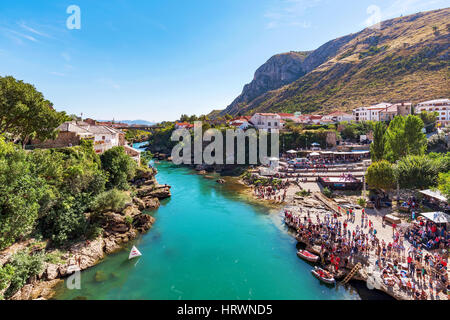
{"points": [[157, 59]]}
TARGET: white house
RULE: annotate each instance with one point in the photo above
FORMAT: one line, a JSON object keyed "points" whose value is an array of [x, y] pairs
{"points": [[338, 116], [441, 106], [242, 123], [183, 125], [105, 138], [267, 121], [371, 113]]}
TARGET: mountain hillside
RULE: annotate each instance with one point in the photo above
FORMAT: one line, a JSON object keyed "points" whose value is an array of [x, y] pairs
{"points": [[407, 59]]}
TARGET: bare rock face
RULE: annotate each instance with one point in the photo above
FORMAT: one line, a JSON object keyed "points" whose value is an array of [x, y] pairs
{"points": [[154, 191], [52, 272], [278, 71], [151, 203], [139, 203], [131, 211], [36, 291], [143, 222], [161, 192]]}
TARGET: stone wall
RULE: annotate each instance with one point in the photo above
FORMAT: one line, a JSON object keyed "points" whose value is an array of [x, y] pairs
{"points": [[64, 139]]}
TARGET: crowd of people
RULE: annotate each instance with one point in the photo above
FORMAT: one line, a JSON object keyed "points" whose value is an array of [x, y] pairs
{"points": [[338, 243], [275, 193], [415, 271], [427, 234]]}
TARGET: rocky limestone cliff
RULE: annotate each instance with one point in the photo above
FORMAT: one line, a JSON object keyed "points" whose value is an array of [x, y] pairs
{"points": [[407, 59], [278, 71]]}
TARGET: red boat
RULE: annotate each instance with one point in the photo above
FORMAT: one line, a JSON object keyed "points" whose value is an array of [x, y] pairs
{"points": [[308, 256], [323, 275]]}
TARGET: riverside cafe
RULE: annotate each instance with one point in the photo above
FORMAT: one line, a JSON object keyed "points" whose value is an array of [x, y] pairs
{"points": [[339, 156], [435, 200]]}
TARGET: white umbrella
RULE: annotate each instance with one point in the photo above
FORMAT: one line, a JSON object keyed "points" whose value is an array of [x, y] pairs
{"points": [[436, 217], [291, 151], [314, 154]]}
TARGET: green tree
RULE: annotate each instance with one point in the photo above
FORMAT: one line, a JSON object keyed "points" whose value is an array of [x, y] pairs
{"points": [[415, 138], [380, 175], [25, 113], [404, 137], [396, 140], [429, 120], [20, 193], [119, 166], [417, 172], [379, 142], [444, 184]]}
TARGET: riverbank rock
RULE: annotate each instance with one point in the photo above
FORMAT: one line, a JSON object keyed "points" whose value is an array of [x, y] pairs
{"points": [[100, 276], [151, 203], [143, 222], [131, 211], [37, 291], [158, 191], [51, 272], [140, 204]]}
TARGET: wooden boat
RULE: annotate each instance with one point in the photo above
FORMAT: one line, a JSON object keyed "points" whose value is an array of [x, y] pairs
{"points": [[308, 256], [323, 275]]}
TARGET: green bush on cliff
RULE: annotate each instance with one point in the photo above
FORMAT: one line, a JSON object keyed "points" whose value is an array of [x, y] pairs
{"points": [[119, 166], [20, 194], [6, 274], [112, 200], [25, 266]]}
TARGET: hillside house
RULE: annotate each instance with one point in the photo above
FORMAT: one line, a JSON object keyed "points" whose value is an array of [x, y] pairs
{"points": [[72, 132], [398, 109], [371, 113], [441, 106], [267, 121], [338, 116]]}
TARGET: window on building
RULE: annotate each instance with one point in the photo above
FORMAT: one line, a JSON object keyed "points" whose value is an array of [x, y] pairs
{"points": [[269, 124]]}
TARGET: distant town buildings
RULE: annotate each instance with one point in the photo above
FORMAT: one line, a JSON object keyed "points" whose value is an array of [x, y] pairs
{"points": [[267, 121], [441, 106], [183, 125], [371, 113], [398, 109], [338, 116], [103, 137]]}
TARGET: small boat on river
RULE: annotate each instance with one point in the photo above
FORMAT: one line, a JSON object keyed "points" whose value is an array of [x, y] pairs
{"points": [[308, 256], [323, 275]]}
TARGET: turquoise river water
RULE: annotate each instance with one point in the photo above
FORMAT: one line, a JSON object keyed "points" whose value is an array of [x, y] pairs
{"points": [[208, 242]]}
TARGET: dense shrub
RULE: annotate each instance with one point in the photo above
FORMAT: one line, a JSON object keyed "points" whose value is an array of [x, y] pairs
{"points": [[112, 200], [24, 266], [119, 166], [380, 175], [418, 172], [327, 192]]}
